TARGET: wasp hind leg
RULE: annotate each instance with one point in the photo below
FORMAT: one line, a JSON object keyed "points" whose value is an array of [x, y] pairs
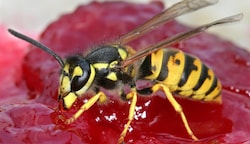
{"points": [[100, 96], [176, 106], [133, 97]]}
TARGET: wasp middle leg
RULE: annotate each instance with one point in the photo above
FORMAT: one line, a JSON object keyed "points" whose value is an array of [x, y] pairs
{"points": [[133, 97]]}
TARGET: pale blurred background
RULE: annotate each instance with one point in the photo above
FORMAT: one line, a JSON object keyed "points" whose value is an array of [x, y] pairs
{"points": [[33, 16]]}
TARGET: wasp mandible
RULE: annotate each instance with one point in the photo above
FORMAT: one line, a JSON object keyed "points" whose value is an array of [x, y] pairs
{"points": [[113, 65]]}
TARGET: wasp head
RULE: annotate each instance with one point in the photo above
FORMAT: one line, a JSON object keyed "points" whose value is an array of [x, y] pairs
{"points": [[77, 75]]}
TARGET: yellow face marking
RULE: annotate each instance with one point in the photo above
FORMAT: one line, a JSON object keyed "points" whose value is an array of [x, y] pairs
{"points": [[175, 70], [89, 82], [66, 68], [65, 85], [156, 63], [69, 100], [112, 76], [64, 81], [77, 71]]}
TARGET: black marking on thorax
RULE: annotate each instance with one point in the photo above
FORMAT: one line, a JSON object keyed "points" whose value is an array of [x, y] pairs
{"points": [[104, 54], [145, 68], [107, 54]]}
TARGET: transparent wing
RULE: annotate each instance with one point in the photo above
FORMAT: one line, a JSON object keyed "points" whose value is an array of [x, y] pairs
{"points": [[179, 37], [177, 9]]}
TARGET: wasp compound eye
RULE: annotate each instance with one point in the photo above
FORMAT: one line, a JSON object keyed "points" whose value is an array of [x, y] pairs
{"points": [[79, 81], [79, 72]]}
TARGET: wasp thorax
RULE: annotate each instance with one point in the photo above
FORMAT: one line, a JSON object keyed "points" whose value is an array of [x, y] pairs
{"points": [[77, 76]]}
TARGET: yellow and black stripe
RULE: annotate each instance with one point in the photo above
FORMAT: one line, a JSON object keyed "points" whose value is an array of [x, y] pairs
{"points": [[182, 74]]}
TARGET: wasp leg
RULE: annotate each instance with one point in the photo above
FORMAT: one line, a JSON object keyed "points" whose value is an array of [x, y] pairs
{"points": [[133, 96], [100, 96], [176, 106]]}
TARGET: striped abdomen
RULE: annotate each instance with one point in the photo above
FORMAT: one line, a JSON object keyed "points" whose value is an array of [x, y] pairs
{"points": [[183, 74]]}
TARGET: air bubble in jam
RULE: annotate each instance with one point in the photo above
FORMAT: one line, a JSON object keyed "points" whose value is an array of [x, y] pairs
{"points": [[243, 92]]}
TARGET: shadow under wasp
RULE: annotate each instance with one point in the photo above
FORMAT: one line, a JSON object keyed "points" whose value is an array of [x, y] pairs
{"points": [[113, 65]]}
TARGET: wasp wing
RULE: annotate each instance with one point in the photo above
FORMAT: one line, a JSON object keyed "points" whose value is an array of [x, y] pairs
{"points": [[177, 9], [179, 37]]}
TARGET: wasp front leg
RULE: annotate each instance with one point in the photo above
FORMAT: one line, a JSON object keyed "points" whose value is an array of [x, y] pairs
{"points": [[176, 106], [133, 97], [100, 96]]}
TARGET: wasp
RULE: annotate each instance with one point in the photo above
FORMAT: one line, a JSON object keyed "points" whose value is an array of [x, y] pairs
{"points": [[112, 65]]}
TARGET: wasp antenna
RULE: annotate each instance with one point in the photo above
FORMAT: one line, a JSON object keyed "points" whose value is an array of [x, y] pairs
{"points": [[37, 44]]}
